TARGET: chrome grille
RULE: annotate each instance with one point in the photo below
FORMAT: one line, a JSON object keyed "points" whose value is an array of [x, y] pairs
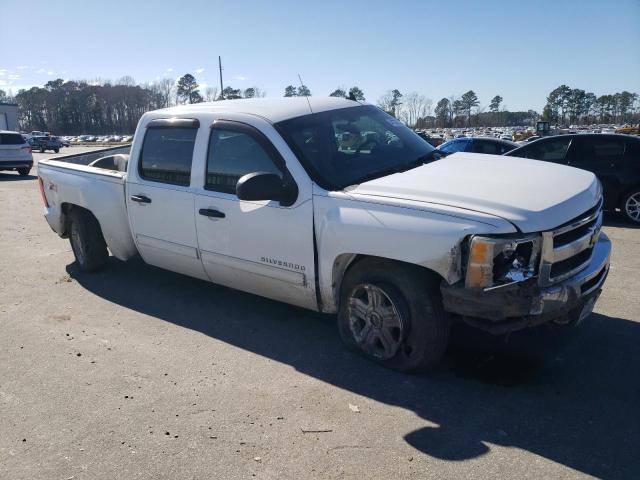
{"points": [[567, 249]]}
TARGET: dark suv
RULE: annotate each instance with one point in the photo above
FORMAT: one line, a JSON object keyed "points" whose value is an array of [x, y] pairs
{"points": [[615, 159], [45, 143]]}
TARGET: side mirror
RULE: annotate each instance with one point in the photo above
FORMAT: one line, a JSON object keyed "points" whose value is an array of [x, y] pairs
{"points": [[266, 186]]}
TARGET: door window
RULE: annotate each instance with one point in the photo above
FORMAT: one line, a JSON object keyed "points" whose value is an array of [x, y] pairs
{"points": [[483, 146], [454, 146], [552, 150], [234, 153], [600, 151], [167, 154]]}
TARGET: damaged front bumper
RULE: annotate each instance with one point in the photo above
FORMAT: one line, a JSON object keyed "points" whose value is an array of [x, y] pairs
{"points": [[527, 304]]}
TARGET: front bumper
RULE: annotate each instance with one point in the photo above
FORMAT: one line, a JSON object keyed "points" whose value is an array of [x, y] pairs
{"points": [[526, 304]]}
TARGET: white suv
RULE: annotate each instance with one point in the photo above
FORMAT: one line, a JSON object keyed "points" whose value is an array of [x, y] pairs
{"points": [[15, 152]]}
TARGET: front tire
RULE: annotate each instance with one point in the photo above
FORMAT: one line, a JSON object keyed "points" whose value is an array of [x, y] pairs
{"points": [[23, 171], [392, 313], [630, 206], [56, 150], [86, 240]]}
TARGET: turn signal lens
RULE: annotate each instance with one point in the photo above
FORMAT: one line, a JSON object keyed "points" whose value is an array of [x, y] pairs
{"points": [[480, 266]]}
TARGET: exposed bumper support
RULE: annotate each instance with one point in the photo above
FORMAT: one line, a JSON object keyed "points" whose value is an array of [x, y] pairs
{"points": [[527, 304]]}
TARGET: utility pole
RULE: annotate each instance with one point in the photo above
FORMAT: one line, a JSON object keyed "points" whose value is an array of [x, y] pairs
{"points": [[220, 68]]}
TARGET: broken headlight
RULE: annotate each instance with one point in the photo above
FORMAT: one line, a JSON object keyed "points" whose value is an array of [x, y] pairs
{"points": [[498, 261]]}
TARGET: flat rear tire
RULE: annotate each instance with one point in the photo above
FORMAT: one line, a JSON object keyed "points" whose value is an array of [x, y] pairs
{"points": [[87, 242]]}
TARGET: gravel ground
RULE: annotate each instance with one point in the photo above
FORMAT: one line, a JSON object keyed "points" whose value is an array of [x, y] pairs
{"points": [[140, 373]]}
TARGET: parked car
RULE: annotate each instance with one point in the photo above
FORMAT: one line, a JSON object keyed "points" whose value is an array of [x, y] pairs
{"points": [[494, 146], [45, 143], [37, 133], [15, 152], [434, 141], [629, 129], [613, 158], [397, 245]]}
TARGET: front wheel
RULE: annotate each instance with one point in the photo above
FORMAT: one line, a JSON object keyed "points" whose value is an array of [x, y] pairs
{"points": [[56, 150], [23, 171], [392, 313], [86, 240], [631, 205]]}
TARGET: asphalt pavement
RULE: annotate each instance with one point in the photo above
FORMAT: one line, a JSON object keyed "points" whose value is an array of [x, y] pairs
{"points": [[136, 372]]}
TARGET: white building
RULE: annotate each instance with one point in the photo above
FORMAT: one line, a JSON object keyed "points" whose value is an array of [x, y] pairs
{"points": [[8, 116]]}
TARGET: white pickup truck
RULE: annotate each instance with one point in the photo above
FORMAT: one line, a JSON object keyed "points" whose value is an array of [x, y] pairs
{"points": [[335, 206]]}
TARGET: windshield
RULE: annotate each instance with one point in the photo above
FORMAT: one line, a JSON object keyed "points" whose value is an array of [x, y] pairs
{"points": [[344, 147]]}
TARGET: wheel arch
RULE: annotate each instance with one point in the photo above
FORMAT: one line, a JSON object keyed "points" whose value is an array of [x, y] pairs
{"points": [[623, 196], [65, 212], [344, 262]]}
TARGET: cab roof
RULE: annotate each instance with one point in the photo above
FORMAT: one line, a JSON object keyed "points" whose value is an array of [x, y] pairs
{"points": [[274, 109]]}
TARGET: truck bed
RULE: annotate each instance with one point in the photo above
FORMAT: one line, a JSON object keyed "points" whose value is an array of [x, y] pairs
{"points": [[88, 157], [69, 182]]}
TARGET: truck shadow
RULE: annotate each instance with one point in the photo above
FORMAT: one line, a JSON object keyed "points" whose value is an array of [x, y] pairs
{"points": [[573, 399], [617, 221], [14, 176]]}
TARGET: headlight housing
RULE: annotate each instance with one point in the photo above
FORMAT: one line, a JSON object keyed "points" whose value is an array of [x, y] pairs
{"points": [[495, 262]]}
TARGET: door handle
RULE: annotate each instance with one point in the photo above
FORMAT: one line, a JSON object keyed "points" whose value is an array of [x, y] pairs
{"points": [[210, 212], [140, 199]]}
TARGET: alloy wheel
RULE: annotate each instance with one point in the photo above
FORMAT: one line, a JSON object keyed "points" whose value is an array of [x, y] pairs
{"points": [[375, 322], [632, 207]]}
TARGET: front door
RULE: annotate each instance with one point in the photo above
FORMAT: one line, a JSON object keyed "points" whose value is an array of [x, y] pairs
{"points": [[160, 200], [257, 246]]}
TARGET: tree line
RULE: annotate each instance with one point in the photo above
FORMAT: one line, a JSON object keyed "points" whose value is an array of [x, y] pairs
{"points": [[575, 106], [103, 107]]}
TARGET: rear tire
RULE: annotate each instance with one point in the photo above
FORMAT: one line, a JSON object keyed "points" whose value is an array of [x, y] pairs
{"points": [[392, 313], [630, 206], [23, 171], [86, 240], [56, 150]]}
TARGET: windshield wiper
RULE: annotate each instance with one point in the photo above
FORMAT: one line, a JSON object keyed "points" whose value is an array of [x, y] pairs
{"points": [[389, 171], [421, 160]]}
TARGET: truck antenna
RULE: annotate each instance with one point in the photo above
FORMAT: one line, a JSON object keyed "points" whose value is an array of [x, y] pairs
{"points": [[304, 89]]}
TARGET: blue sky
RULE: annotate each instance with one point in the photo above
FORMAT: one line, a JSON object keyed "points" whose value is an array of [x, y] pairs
{"points": [[520, 50]]}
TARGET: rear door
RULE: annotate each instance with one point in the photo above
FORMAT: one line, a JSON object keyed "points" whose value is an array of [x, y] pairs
{"points": [[261, 247], [160, 199], [604, 156]]}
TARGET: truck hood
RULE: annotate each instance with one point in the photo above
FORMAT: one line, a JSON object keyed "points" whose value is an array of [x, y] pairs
{"points": [[533, 195]]}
